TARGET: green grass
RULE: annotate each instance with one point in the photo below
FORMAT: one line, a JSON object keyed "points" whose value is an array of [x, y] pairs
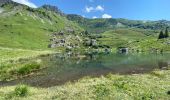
{"points": [[21, 90], [28, 30], [16, 63], [28, 68], [135, 39], [19, 70], [31, 30], [115, 87], [151, 45], [120, 37], [12, 55]]}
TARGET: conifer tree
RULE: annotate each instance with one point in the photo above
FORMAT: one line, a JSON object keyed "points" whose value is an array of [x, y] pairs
{"points": [[161, 35], [166, 33]]}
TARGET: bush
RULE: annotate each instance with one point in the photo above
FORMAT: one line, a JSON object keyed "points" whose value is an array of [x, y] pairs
{"points": [[28, 68], [21, 90]]}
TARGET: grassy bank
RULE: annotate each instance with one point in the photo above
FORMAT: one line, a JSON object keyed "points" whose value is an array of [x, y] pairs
{"points": [[17, 63], [12, 55], [152, 86]]}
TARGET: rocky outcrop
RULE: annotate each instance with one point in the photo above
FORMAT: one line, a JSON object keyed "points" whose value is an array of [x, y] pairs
{"points": [[53, 8], [5, 2], [61, 39]]}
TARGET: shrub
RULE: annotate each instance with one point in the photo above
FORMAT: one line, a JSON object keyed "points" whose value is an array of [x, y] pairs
{"points": [[168, 92], [28, 68], [21, 90]]}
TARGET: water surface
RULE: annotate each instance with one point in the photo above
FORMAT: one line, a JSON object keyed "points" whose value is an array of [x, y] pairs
{"points": [[62, 68]]}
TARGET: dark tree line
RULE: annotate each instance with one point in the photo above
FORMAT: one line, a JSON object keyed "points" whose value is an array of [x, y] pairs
{"points": [[164, 35]]}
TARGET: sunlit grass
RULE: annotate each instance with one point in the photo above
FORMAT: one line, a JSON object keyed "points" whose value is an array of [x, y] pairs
{"points": [[110, 87], [11, 66], [10, 55]]}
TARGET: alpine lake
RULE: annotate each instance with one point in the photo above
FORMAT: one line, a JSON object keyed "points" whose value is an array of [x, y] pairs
{"points": [[70, 67]]}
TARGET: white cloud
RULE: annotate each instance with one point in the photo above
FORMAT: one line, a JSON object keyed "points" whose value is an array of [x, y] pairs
{"points": [[106, 16], [94, 17], [26, 2], [99, 8], [89, 9]]}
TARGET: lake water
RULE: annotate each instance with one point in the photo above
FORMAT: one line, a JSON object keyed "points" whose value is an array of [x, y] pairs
{"points": [[62, 68]]}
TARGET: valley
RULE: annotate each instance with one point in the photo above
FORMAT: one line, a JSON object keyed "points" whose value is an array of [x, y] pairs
{"points": [[46, 54]]}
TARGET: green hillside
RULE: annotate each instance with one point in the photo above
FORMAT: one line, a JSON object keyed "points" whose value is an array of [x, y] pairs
{"points": [[100, 25], [46, 54], [122, 37], [28, 28]]}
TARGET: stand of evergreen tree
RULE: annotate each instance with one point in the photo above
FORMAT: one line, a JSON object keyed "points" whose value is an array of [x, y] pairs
{"points": [[166, 33], [162, 35]]}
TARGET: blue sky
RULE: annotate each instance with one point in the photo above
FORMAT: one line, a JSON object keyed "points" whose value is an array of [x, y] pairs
{"points": [[130, 9]]}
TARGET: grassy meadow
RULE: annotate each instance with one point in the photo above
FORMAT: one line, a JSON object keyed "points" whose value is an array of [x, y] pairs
{"points": [[26, 33], [12, 55], [15, 63], [152, 86]]}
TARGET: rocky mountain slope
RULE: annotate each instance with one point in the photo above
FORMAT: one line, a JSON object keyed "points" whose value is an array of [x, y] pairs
{"points": [[29, 28], [48, 27]]}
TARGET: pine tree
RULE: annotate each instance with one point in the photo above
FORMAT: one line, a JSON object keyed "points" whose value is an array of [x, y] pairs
{"points": [[161, 35], [166, 33]]}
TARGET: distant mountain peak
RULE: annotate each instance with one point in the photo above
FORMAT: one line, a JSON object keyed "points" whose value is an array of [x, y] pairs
{"points": [[53, 8], [6, 2]]}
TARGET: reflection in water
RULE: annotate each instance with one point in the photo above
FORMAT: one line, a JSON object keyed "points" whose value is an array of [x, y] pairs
{"points": [[73, 66], [163, 65]]}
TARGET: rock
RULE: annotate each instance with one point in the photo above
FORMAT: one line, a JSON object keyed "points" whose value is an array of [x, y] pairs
{"points": [[94, 42], [52, 45], [123, 49], [107, 50], [61, 33], [168, 42], [69, 30]]}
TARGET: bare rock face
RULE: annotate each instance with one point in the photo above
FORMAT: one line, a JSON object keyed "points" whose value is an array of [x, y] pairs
{"points": [[5, 1], [53, 8]]}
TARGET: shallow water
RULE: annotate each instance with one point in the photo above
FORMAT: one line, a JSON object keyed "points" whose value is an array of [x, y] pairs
{"points": [[62, 68]]}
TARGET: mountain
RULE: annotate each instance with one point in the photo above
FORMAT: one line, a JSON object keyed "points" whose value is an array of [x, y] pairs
{"points": [[101, 25], [53, 9], [30, 28], [10, 2], [136, 35], [48, 27], [5, 1]]}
